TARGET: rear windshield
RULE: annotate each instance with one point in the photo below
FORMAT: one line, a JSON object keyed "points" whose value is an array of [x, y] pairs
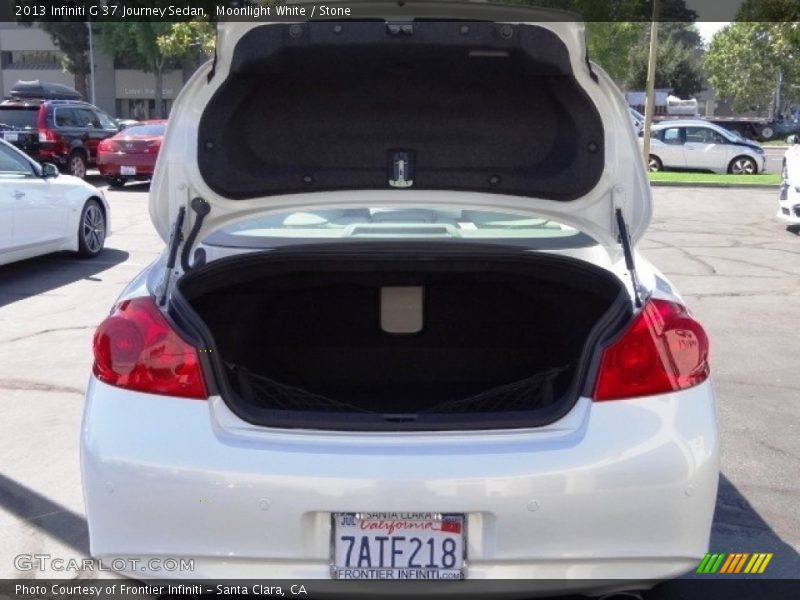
{"points": [[400, 224], [18, 118], [146, 130]]}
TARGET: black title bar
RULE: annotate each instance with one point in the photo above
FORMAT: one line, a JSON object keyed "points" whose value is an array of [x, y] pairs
{"points": [[270, 10]]}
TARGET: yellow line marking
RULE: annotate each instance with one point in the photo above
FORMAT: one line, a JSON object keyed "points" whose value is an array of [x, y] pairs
{"points": [[761, 558], [765, 563], [752, 562]]}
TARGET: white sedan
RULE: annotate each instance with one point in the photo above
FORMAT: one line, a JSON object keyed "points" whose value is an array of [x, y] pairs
{"points": [[42, 211], [398, 335], [699, 145]]}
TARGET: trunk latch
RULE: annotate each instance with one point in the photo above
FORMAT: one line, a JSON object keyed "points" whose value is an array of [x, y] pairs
{"points": [[396, 28], [401, 174]]}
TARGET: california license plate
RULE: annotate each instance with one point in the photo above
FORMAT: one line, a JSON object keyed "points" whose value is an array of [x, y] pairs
{"points": [[127, 170], [11, 137], [394, 545]]}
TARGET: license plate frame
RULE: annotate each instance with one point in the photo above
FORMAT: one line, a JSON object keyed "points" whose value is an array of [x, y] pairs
{"points": [[414, 522], [125, 170]]}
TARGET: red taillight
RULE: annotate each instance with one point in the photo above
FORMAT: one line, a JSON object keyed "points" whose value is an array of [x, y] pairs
{"points": [[107, 146], [153, 146], [47, 135], [663, 350], [137, 349]]}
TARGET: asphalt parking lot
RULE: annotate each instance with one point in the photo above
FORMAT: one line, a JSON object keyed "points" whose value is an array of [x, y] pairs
{"points": [[736, 265], [774, 158]]}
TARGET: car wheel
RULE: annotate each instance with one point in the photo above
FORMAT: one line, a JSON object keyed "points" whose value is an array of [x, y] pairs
{"points": [[92, 229], [654, 164], [76, 165], [743, 165], [116, 182], [767, 133]]}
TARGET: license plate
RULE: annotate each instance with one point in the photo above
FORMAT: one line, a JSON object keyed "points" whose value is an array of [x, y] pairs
{"points": [[11, 137], [127, 170], [398, 546]]}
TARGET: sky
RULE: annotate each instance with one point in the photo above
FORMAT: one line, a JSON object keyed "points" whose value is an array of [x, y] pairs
{"points": [[708, 29], [714, 10]]}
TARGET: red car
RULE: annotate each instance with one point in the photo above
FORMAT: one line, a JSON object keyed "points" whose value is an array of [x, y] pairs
{"points": [[132, 153]]}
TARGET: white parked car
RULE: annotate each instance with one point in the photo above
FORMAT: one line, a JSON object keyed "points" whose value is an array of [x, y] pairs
{"points": [[637, 120], [699, 145], [42, 211], [398, 334], [789, 199]]}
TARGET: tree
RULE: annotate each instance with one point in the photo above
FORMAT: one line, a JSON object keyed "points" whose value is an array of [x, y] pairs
{"points": [[678, 62], [188, 38], [618, 11], [769, 11], [610, 44], [617, 36], [746, 59], [137, 43], [72, 38]]}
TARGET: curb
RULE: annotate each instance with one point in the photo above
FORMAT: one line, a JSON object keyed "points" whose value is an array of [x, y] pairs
{"points": [[749, 186]]}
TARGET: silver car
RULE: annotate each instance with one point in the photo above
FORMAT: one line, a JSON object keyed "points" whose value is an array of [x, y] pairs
{"points": [[699, 145]]}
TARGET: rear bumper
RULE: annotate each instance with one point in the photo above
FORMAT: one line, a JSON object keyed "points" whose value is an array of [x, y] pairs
{"points": [[619, 490], [109, 164], [56, 153]]}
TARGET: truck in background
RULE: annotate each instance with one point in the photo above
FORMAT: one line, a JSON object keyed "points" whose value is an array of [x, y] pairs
{"points": [[761, 129]]}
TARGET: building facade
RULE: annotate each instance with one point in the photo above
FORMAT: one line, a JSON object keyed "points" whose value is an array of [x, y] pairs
{"points": [[28, 53]]}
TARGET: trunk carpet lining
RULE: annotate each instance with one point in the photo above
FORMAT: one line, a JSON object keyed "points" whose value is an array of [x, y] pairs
{"points": [[301, 336]]}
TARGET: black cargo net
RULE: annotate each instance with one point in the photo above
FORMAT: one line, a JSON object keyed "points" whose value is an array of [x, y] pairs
{"points": [[526, 394]]}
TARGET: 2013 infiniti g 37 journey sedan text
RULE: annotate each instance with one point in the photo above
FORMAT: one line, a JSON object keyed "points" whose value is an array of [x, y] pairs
{"points": [[400, 329]]}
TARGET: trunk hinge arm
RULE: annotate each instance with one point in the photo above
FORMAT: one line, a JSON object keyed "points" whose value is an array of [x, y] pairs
{"points": [[176, 240], [201, 208], [625, 242]]}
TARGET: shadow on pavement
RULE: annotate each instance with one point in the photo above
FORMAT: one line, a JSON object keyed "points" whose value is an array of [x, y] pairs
{"points": [[50, 518], [739, 528], [38, 275], [133, 186], [95, 178]]}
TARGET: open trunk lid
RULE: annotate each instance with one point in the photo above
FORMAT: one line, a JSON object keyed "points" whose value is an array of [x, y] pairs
{"points": [[497, 109]]}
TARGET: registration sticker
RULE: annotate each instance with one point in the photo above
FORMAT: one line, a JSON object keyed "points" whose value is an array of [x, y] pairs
{"points": [[398, 545]]}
